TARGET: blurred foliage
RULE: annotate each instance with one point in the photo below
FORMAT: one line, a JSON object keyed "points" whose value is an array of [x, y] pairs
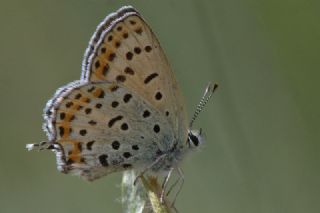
{"points": [[262, 127]]}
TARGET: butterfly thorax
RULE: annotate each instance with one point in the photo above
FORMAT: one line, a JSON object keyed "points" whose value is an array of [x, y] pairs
{"points": [[165, 160]]}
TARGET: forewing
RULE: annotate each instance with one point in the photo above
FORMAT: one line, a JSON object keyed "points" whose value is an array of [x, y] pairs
{"points": [[101, 127], [125, 50]]}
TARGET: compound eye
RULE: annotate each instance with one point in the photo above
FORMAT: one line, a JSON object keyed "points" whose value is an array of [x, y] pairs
{"points": [[194, 139]]}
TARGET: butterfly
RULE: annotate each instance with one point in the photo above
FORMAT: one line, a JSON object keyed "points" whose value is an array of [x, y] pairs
{"points": [[126, 111]]}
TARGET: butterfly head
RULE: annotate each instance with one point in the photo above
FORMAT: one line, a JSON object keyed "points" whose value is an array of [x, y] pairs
{"points": [[195, 138]]}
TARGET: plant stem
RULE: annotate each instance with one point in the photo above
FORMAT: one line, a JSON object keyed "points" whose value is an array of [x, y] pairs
{"points": [[143, 198]]}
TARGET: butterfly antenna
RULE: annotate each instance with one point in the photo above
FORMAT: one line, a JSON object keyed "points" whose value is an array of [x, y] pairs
{"points": [[204, 100]]}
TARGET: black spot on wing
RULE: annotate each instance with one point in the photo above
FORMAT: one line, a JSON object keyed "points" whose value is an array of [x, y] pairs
{"points": [[114, 120], [150, 77]]}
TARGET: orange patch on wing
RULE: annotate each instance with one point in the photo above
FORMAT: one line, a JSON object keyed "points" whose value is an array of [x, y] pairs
{"points": [[64, 129], [104, 57], [100, 72], [138, 30], [69, 117], [85, 99], [98, 92], [67, 131], [75, 152], [113, 87], [76, 107]]}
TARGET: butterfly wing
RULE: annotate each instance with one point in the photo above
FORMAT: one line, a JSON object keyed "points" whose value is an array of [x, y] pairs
{"points": [[127, 108], [99, 31], [125, 50], [101, 127]]}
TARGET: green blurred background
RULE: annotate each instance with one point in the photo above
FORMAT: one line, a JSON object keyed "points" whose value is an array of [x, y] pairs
{"points": [[262, 127]]}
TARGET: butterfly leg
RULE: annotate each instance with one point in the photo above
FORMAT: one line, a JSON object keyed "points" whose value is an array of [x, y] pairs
{"points": [[165, 183], [181, 177], [149, 167], [172, 186]]}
